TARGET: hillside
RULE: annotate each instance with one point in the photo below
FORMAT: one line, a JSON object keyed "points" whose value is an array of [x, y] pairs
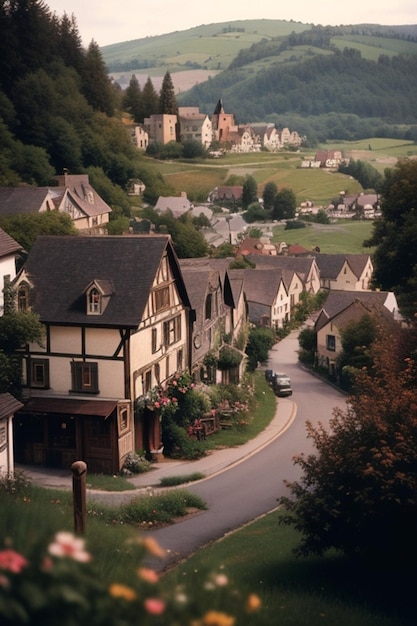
{"points": [[345, 82]]}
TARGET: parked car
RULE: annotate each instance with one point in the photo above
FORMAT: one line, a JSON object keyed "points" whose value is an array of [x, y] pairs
{"points": [[281, 384], [269, 375]]}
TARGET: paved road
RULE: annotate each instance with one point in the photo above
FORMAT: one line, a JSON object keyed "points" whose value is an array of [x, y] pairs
{"points": [[252, 487]]}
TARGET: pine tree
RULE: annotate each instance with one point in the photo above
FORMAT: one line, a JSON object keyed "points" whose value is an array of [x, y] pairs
{"points": [[97, 86], [150, 99], [167, 99], [132, 100]]}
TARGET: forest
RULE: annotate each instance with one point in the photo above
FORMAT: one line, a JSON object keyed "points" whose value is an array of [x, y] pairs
{"points": [[59, 110], [306, 82]]}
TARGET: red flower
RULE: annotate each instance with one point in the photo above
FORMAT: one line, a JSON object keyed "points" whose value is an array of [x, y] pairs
{"points": [[12, 561]]}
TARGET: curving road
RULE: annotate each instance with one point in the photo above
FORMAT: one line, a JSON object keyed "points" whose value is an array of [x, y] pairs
{"points": [[251, 488]]}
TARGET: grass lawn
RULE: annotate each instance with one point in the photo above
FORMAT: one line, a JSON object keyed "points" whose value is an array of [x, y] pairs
{"points": [[298, 591], [256, 559], [345, 236]]}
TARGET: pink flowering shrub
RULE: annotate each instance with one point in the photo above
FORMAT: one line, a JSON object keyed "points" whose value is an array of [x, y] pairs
{"points": [[59, 584]]}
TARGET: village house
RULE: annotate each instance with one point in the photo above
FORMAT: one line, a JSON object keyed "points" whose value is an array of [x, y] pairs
{"points": [[195, 126], [116, 316], [211, 298], [73, 195], [343, 307], [352, 272], [161, 128], [177, 205], [267, 298], [139, 136], [10, 252], [8, 407], [305, 267]]}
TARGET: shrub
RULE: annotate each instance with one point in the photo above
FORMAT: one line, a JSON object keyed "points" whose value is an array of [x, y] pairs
{"points": [[136, 463]]}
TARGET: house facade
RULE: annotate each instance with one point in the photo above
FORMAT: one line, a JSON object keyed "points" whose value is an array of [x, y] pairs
{"points": [[211, 299], [116, 314], [343, 307], [10, 251], [161, 128], [306, 268], [352, 272], [8, 407], [267, 298], [195, 126]]}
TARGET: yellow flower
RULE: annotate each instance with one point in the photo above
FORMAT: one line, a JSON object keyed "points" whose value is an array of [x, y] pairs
{"points": [[147, 574], [121, 591], [216, 618], [253, 603], [153, 547]]}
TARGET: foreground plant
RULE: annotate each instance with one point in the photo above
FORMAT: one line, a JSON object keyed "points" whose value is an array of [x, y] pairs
{"points": [[60, 584]]}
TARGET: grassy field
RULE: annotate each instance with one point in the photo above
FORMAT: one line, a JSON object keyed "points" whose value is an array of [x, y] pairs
{"points": [[298, 591], [345, 237], [284, 169]]}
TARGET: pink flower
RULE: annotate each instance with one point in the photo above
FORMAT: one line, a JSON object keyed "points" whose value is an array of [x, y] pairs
{"points": [[154, 606], [66, 544], [157, 405], [12, 561], [149, 575]]}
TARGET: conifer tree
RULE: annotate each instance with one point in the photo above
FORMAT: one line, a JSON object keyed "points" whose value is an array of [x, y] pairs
{"points": [[97, 86], [132, 100], [167, 99], [150, 99]]}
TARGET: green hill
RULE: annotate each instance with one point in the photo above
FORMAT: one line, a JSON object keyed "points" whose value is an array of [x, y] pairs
{"points": [[345, 82]]}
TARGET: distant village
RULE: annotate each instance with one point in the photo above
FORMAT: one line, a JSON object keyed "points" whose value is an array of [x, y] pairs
{"points": [[220, 129]]}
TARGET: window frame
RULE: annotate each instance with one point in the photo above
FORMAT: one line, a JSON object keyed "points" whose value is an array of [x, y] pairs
{"points": [[331, 343], [36, 381], [84, 377], [172, 331]]}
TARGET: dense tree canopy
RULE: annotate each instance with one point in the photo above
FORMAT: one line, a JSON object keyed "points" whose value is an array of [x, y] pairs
{"points": [[285, 204], [358, 491], [395, 236]]}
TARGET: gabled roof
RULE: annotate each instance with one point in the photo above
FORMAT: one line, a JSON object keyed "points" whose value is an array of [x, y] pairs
{"points": [[8, 405], [261, 285], [330, 265], [176, 204], [339, 300], [19, 200], [61, 268], [301, 265], [8, 246]]}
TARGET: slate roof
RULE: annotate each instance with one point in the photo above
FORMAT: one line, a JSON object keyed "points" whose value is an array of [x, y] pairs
{"points": [[8, 405], [20, 200], [61, 267], [339, 300], [301, 265], [330, 265], [8, 246], [260, 285], [178, 205]]}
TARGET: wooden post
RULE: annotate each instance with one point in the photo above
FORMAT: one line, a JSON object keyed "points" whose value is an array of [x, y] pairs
{"points": [[79, 481]]}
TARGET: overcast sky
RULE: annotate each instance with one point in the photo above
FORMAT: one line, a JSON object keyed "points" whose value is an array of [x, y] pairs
{"points": [[123, 20]]}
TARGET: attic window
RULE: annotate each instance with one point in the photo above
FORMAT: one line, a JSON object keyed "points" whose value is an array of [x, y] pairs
{"points": [[94, 302], [23, 297]]}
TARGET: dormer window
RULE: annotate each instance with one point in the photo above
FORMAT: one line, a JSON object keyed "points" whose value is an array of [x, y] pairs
{"points": [[23, 298], [98, 294], [94, 302]]}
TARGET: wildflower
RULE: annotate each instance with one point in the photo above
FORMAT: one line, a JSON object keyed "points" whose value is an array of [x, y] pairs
{"points": [[253, 603], [221, 580], [147, 574], [66, 544], [215, 618], [122, 591], [153, 547], [154, 606], [12, 561]]}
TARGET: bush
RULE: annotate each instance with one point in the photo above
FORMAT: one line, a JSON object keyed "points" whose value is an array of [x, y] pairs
{"points": [[136, 463]]}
